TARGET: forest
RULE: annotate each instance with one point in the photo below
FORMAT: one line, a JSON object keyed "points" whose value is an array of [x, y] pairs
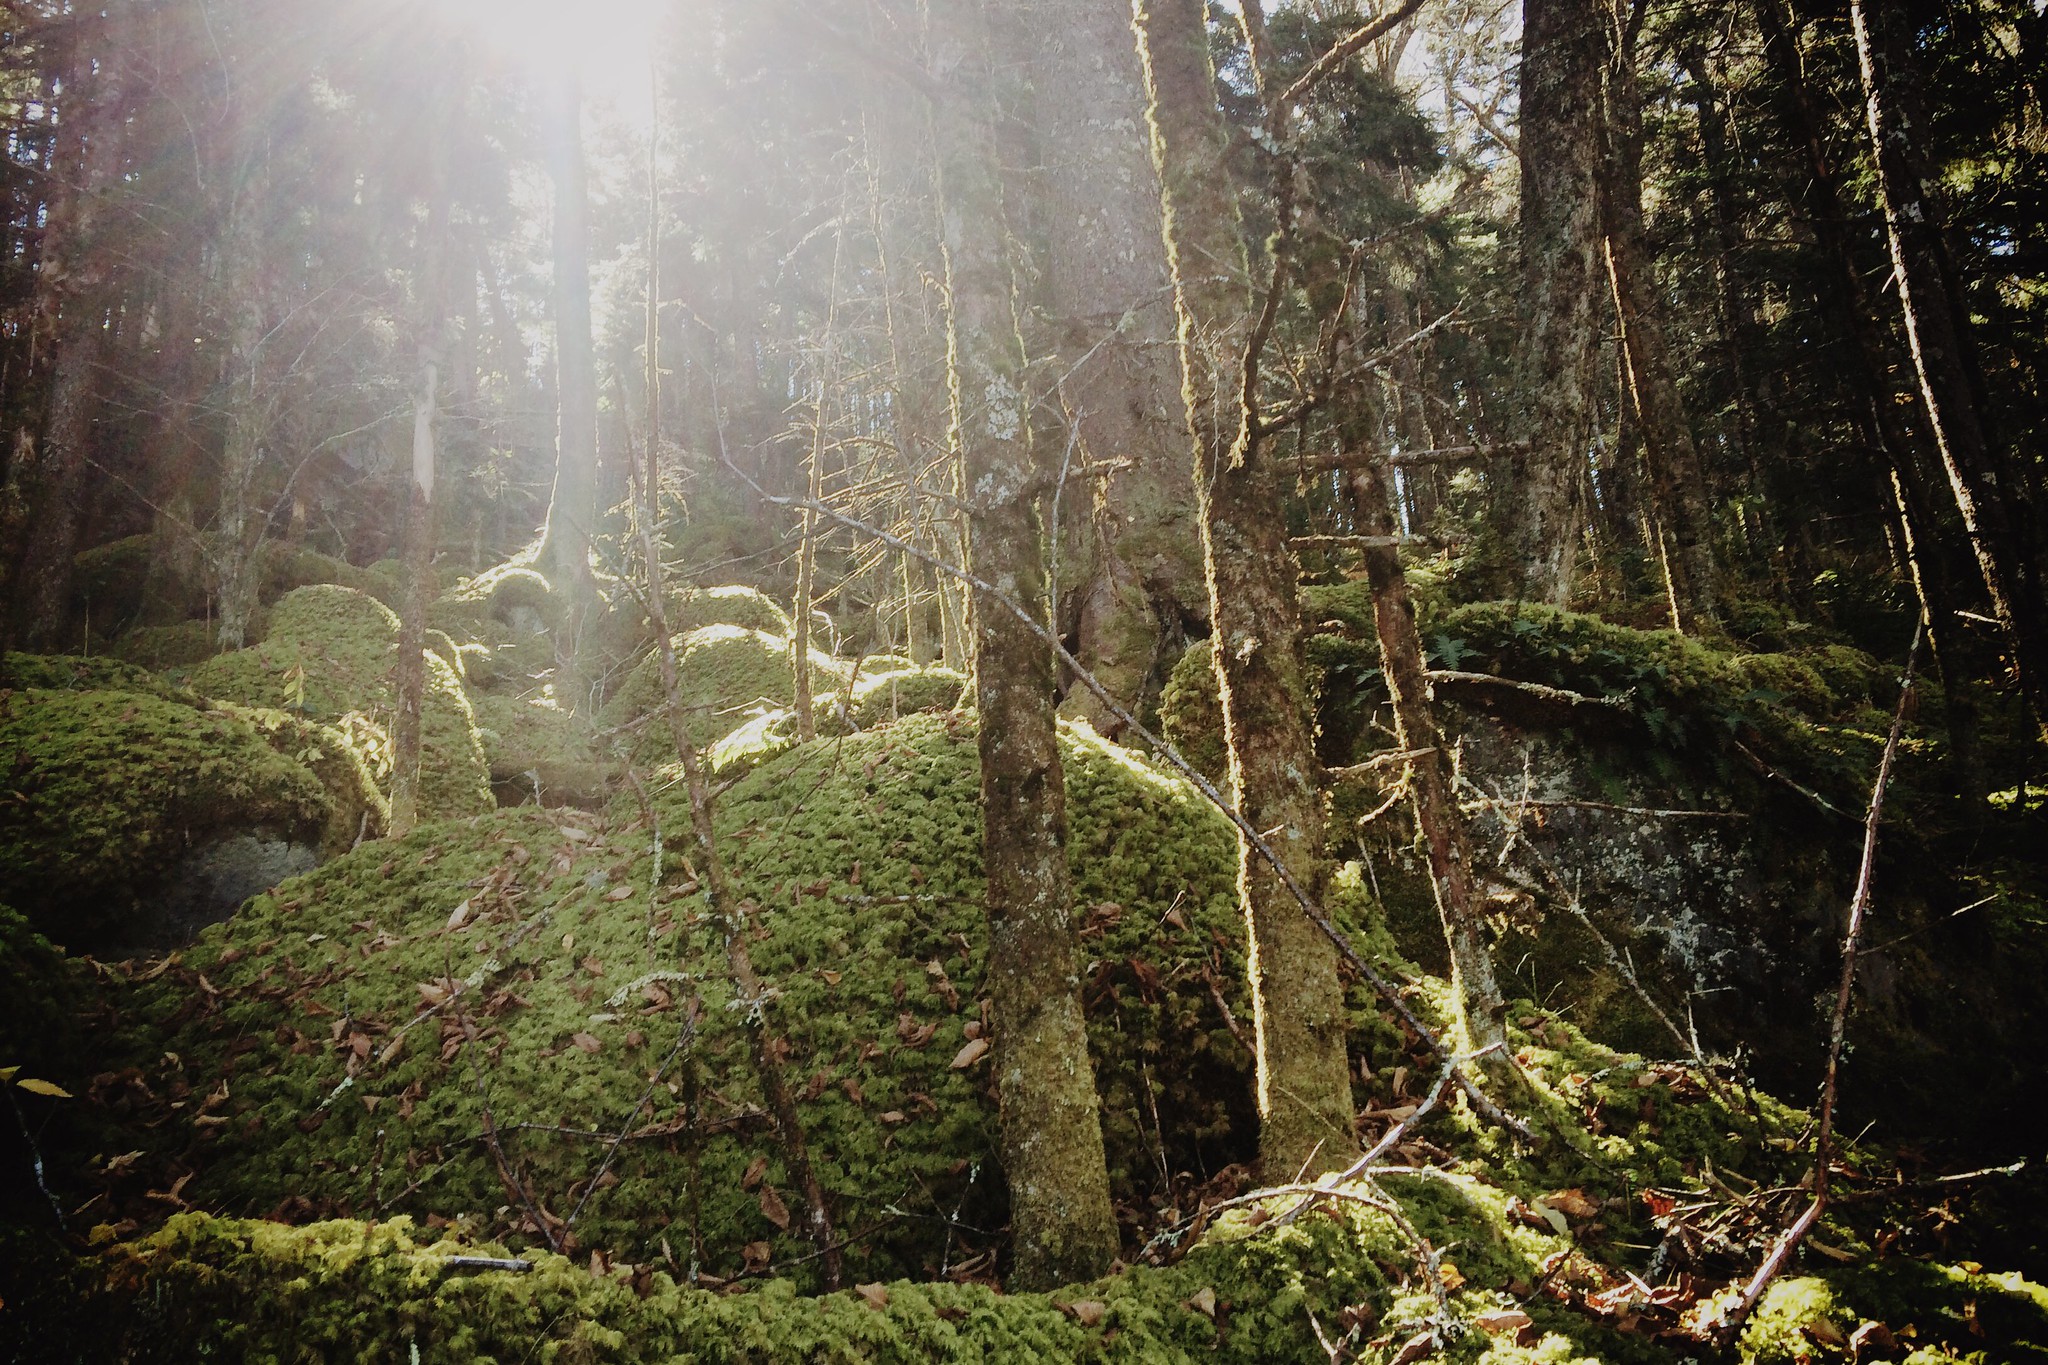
{"points": [[1053, 681]]}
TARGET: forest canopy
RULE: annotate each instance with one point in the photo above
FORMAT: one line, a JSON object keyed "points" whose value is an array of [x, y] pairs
{"points": [[1301, 680]]}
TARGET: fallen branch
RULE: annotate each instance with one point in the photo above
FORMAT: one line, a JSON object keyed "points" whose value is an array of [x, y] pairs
{"points": [[1459, 678]]}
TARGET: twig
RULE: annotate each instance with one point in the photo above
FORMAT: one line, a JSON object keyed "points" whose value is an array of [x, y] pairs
{"points": [[1838, 1026], [462, 1264], [35, 1153], [684, 1037], [1457, 677]]}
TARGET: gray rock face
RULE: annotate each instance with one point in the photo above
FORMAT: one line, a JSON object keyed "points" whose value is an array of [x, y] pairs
{"points": [[211, 882]]}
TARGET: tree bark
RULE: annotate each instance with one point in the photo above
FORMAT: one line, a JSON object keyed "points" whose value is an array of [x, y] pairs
{"points": [[1541, 514], [1063, 1227], [1692, 578], [1990, 498], [1138, 578], [1304, 1085]]}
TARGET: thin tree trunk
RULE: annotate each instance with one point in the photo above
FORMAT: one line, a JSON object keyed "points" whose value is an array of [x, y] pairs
{"points": [[1562, 46], [572, 511], [1062, 1224], [1691, 575], [1991, 501], [1481, 1012], [729, 910], [1304, 1085]]}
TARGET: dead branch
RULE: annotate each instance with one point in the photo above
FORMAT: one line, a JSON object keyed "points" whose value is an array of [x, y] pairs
{"points": [[1327, 65], [1458, 678]]}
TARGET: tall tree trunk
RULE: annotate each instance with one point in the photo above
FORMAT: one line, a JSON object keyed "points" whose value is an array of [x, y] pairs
{"points": [[1304, 1085], [1562, 48], [1139, 575], [1063, 1227], [1879, 415], [73, 272], [1691, 575], [1992, 501], [572, 511]]}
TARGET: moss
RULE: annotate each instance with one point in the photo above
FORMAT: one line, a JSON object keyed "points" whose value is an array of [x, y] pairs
{"points": [[329, 656], [1191, 713], [108, 789], [184, 645], [500, 592], [694, 608], [863, 857], [725, 676], [877, 699], [283, 568], [335, 759], [1946, 1312], [72, 673]]}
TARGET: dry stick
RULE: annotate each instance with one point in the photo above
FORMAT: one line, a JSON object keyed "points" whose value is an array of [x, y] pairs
{"points": [[1838, 1027], [1390, 994], [730, 912]]}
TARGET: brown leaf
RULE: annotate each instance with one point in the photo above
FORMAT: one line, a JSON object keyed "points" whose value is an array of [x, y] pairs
{"points": [[586, 1042], [895, 1116], [874, 1295], [1414, 1349], [1501, 1320], [967, 1056], [773, 1209], [831, 977], [757, 1255], [619, 893], [1572, 1203], [853, 1090], [1203, 1301], [1087, 1312], [459, 916], [756, 1171]]}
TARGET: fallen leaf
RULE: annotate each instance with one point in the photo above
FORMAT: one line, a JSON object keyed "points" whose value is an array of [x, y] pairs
{"points": [[831, 977], [895, 1116], [756, 1171], [1453, 1278], [1087, 1312], [586, 1042], [1572, 1203], [1501, 1321], [967, 1056], [757, 1255], [1203, 1301], [459, 916], [876, 1296], [1414, 1349], [619, 893], [773, 1209], [36, 1087]]}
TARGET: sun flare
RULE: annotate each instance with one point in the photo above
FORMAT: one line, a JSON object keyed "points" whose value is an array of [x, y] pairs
{"points": [[606, 44]]}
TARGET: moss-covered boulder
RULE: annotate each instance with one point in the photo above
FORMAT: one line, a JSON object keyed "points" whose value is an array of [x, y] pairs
{"points": [[725, 676], [76, 673], [367, 1018], [114, 798], [539, 752], [732, 605], [359, 810], [329, 655], [184, 645], [872, 700]]}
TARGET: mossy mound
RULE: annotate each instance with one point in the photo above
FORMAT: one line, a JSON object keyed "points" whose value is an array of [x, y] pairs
{"points": [[359, 809], [130, 580], [725, 677], [75, 673], [284, 568], [1191, 713], [1946, 1312], [512, 593], [537, 750], [874, 700], [733, 605], [108, 790], [329, 655], [158, 648], [353, 1085]]}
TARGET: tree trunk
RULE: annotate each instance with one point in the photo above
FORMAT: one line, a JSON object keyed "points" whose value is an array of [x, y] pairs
{"points": [[1481, 1012], [1062, 1225], [73, 271], [1562, 47], [1991, 500], [1691, 576], [1106, 286], [572, 511], [1304, 1085]]}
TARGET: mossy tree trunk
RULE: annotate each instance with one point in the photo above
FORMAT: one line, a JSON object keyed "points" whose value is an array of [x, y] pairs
{"points": [[1063, 1227], [1542, 513], [1135, 576], [1691, 575], [1304, 1085]]}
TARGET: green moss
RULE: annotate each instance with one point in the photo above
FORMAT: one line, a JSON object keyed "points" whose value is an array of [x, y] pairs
{"points": [[500, 591], [863, 856], [284, 568], [694, 608], [329, 656], [1947, 1312], [1191, 713], [725, 677], [184, 645], [108, 789], [335, 759], [72, 673]]}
